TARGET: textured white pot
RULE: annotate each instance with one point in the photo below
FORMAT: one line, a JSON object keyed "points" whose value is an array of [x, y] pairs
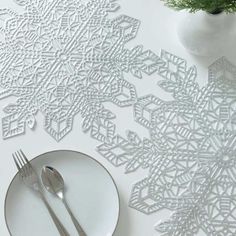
{"points": [[206, 34]]}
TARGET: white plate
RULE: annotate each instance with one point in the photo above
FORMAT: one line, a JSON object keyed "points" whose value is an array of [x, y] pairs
{"points": [[90, 192]]}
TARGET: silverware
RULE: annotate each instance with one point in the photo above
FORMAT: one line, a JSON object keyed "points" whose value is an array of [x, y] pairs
{"points": [[54, 183], [30, 179]]}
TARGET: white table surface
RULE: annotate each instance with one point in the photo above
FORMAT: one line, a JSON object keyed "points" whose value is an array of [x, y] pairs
{"points": [[157, 31]]}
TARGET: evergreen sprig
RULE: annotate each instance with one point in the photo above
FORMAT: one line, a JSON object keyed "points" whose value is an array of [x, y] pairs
{"points": [[212, 6]]}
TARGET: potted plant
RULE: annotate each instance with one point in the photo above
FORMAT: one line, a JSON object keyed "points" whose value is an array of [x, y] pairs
{"points": [[208, 26]]}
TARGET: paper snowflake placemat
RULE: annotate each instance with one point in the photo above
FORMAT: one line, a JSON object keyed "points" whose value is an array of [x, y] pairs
{"points": [[64, 58]]}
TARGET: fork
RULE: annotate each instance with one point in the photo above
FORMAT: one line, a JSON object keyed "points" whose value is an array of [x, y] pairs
{"points": [[30, 178]]}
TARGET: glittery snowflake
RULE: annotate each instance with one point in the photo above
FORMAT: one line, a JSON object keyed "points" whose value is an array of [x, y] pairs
{"points": [[64, 57], [191, 151], [209, 201]]}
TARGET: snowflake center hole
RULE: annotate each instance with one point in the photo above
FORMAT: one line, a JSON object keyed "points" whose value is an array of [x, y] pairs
{"points": [[63, 57]]}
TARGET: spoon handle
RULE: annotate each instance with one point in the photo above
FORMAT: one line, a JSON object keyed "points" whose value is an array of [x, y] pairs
{"points": [[75, 221], [62, 231]]}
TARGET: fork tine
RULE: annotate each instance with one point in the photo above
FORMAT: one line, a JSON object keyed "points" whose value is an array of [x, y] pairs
{"points": [[24, 157], [16, 162], [26, 166], [21, 163], [18, 159], [21, 158]]}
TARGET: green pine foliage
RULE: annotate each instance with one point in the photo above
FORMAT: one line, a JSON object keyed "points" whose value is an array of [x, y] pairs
{"points": [[212, 6]]}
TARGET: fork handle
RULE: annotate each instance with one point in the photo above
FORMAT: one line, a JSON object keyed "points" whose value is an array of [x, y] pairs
{"points": [[61, 229]]}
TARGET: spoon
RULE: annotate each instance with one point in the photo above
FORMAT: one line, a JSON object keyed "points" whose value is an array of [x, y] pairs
{"points": [[54, 183]]}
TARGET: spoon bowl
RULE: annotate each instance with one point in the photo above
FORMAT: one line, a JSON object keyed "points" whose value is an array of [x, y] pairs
{"points": [[53, 181]]}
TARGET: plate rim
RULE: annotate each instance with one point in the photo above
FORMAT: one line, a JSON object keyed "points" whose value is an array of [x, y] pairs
{"points": [[64, 150]]}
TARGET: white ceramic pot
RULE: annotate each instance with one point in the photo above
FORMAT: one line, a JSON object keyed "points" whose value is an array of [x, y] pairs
{"points": [[206, 34]]}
